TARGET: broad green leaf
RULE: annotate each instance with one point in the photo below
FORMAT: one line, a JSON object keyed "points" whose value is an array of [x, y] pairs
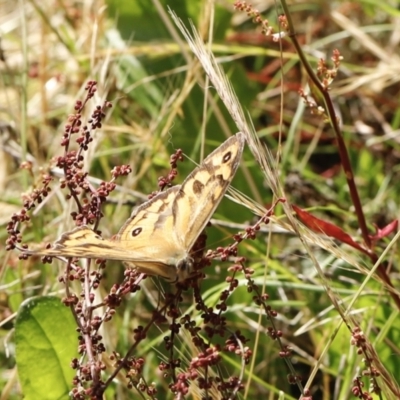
{"points": [[46, 341]]}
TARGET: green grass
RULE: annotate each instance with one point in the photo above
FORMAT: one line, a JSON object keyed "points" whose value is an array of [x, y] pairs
{"points": [[303, 336]]}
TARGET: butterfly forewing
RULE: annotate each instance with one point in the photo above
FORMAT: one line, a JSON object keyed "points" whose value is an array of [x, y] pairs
{"points": [[82, 242], [204, 188], [149, 231]]}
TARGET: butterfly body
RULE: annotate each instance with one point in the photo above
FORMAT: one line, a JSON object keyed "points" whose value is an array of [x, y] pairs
{"points": [[160, 233]]}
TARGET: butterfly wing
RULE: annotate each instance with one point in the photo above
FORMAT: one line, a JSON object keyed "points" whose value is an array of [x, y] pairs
{"points": [[141, 241], [160, 233], [147, 236], [203, 189], [166, 228], [80, 242]]}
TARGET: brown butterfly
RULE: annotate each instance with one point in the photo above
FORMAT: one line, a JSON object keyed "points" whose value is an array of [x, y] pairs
{"points": [[160, 233]]}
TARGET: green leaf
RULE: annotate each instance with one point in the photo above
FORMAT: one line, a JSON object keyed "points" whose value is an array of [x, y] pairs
{"points": [[46, 341]]}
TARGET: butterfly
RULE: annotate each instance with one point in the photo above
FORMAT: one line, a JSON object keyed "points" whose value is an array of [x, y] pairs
{"points": [[160, 233]]}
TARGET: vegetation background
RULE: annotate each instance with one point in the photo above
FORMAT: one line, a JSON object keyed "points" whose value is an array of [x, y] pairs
{"points": [[339, 323]]}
